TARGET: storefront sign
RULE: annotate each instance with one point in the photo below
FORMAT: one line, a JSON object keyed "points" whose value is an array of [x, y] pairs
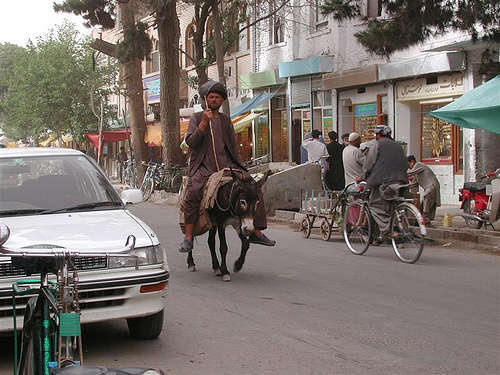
{"points": [[152, 85], [364, 110], [446, 85]]}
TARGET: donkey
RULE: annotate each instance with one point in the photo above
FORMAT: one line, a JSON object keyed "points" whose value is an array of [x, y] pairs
{"points": [[234, 205]]}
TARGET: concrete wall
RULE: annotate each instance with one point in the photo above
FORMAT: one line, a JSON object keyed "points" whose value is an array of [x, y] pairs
{"points": [[283, 190]]}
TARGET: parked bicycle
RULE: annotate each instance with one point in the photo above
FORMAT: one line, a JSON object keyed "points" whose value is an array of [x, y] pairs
{"points": [[51, 334], [158, 177], [130, 174], [407, 231]]}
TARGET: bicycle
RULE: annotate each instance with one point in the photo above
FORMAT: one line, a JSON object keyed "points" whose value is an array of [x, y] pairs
{"points": [[130, 174], [407, 231], [51, 333]]}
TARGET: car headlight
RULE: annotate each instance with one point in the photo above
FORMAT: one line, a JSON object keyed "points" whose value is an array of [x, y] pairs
{"points": [[145, 255]]}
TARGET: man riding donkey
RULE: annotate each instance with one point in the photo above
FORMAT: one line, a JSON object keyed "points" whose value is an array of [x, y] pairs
{"points": [[212, 142]]}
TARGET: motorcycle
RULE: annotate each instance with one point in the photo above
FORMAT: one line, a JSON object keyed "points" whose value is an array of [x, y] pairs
{"points": [[481, 201]]}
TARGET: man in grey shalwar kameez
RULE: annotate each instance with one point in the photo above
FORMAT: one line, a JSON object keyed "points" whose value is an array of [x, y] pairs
{"points": [[384, 166], [428, 181]]}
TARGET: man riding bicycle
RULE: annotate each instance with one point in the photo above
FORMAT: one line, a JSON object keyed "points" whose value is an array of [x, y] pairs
{"points": [[384, 170]]}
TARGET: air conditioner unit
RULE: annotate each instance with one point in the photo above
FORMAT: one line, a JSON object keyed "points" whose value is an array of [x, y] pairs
{"points": [[227, 71]]}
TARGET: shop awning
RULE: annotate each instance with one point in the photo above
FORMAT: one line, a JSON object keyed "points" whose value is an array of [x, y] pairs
{"points": [[426, 64], [476, 109], [244, 122], [261, 79], [351, 77], [108, 136], [256, 101], [311, 65], [153, 135]]}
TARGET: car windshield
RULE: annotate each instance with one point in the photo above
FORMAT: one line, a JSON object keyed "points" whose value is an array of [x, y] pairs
{"points": [[46, 184]]}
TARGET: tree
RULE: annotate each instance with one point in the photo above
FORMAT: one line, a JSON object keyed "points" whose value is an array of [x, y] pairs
{"points": [[408, 22], [133, 48], [49, 86], [167, 21]]}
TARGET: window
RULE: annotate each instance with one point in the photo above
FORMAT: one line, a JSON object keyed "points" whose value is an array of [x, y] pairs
{"points": [[276, 27], [442, 142], [190, 51], [243, 39], [374, 8], [153, 60], [319, 21]]}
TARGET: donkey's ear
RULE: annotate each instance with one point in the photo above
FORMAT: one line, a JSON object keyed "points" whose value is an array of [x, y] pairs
{"points": [[233, 175], [263, 180]]}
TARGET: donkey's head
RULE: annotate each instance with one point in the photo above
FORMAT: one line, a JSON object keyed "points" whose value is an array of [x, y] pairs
{"points": [[243, 195]]}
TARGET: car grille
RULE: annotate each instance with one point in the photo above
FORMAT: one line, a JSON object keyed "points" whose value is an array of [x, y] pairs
{"points": [[82, 264], [88, 300]]}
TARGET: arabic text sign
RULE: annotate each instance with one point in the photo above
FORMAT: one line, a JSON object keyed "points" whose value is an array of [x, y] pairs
{"points": [[415, 89], [364, 110]]}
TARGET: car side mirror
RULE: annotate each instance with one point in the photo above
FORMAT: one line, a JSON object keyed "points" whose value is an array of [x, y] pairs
{"points": [[4, 233], [131, 196]]}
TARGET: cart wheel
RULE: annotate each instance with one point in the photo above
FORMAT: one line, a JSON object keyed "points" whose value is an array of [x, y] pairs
{"points": [[326, 230], [306, 227]]}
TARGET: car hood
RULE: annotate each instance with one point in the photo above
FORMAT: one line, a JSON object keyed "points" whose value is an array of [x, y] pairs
{"points": [[83, 231]]}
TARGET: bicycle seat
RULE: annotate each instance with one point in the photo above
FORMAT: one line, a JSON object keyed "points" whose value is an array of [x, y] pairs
{"points": [[474, 186], [85, 370]]}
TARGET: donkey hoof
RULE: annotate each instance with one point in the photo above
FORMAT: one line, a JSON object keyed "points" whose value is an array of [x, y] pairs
{"points": [[192, 268], [226, 278], [237, 266], [217, 272]]}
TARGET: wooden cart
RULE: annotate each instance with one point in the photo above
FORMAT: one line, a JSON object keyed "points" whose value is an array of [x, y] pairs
{"points": [[323, 208]]}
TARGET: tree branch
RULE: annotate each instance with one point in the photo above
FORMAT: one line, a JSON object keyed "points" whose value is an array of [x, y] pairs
{"points": [[265, 17]]}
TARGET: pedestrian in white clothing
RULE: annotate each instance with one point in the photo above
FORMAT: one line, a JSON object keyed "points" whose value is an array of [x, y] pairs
{"points": [[314, 147], [353, 159]]}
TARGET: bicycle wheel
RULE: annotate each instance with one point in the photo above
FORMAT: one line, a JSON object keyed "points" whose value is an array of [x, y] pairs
{"points": [[175, 183], [407, 233], [357, 227], [147, 188]]}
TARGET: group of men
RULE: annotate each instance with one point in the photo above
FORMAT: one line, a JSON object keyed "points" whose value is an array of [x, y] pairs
{"points": [[381, 163]]}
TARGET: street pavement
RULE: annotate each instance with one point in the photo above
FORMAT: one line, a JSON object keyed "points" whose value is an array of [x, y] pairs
{"points": [[310, 307]]}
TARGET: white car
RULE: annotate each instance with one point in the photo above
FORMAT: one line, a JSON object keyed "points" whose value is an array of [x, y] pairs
{"points": [[61, 198]]}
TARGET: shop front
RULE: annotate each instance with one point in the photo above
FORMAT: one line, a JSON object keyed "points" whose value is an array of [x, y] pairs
{"points": [[435, 142], [363, 103], [310, 106]]}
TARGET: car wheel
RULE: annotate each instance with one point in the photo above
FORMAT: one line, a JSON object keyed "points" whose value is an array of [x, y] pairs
{"points": [[146, 327]]}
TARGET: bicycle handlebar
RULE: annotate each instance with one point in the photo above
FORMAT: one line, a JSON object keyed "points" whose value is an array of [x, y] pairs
{"points": [[64, 252]]}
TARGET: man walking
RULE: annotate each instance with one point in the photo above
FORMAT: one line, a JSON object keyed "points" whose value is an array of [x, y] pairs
{"points": [[335, 173], [425, 178], [385, 165], [353, 159], [122, 159], [212, 142]]}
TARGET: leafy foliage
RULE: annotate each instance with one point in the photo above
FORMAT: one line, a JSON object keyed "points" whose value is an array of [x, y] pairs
{"points": [[409, 22], [49, 89], [136, 44], [95, 12]]}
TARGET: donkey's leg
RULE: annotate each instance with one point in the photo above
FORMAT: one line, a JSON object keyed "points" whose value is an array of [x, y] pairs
{"points": [[190, 262], [223, 252], [245, 245], [211, 245]]}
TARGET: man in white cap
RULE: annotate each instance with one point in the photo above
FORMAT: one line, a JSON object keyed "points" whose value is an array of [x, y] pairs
{"points": [[353, 159]]}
